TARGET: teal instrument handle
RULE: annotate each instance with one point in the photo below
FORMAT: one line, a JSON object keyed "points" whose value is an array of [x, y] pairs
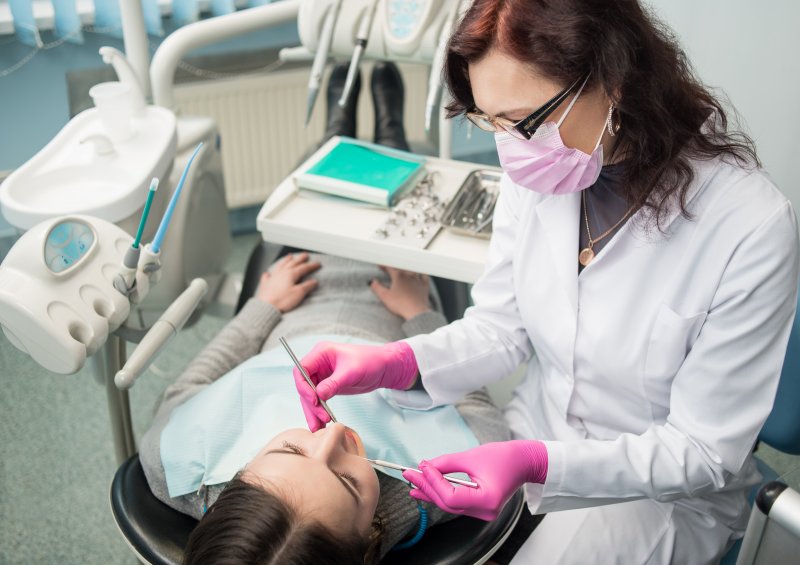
{"points": [[149, 202], [162, 228]]}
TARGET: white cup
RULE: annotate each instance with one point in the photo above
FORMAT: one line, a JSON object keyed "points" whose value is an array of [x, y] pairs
{"points": [[115, 105]]}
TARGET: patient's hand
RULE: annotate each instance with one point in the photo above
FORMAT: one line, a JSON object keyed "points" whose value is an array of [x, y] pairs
{"points": [[282, 288], [407, 295]]}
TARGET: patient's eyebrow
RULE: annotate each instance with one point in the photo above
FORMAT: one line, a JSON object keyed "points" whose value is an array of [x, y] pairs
{"points": [[350, 488]]}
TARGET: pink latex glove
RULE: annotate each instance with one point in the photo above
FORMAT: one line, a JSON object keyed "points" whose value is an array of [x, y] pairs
{"points": [[499, 469], [340, 368]]}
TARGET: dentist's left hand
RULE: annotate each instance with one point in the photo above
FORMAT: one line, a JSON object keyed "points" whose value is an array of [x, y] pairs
{"points": [[340, 368], [499, 468]]}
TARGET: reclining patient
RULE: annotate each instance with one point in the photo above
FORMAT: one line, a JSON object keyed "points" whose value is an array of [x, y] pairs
{"points": [[230, 436]]}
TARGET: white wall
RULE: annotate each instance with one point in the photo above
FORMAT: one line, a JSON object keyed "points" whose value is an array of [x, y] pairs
{"points": [[750, 50]]}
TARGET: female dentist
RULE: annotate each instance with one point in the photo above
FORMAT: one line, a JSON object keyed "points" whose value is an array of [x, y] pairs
{"points": [[642, 265]]}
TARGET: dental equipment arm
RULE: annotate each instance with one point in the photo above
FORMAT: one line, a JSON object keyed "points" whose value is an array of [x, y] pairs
{"points": [[361, 44], [207, 32], [162, 331], [435, 79], [321, 57]]}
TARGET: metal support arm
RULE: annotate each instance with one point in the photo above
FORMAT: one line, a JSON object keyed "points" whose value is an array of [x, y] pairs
{"points": [[207, 32]]}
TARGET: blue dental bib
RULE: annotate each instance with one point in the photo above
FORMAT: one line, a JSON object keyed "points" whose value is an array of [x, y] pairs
{"points": [[211, 436]]}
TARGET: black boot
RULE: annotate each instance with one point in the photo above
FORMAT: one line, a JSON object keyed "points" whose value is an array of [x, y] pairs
{"points": [[388, 98], [341, 121]]}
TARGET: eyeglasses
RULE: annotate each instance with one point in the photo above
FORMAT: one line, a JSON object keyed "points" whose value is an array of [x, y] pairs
{"points": [[526, 127]]}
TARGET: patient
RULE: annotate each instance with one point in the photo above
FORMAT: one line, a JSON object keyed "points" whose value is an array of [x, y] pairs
{"points": [[308, 497], [304, 497]]}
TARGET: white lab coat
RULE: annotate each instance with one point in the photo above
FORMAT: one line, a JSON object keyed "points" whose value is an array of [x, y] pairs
{"points": [[649, 375]]}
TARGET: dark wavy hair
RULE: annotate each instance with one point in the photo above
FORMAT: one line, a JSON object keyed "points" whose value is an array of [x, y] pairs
{"points": [[660, 104], [248, 525]]}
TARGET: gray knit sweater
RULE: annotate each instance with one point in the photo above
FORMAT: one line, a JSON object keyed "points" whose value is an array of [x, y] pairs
{"points": [[342, 304]]}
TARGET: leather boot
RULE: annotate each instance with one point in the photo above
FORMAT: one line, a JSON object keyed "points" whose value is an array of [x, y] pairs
{"points": [[341, 121], [388, 96]]}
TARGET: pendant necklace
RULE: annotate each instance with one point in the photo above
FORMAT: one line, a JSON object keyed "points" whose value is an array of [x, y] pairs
{"points": [[587, 254]]}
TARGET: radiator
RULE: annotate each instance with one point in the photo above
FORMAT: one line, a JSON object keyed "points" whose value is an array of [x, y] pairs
{"points": [[260, 119]]}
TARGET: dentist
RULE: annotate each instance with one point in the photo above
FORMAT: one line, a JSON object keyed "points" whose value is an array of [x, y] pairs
{"points": [[641, 264]]}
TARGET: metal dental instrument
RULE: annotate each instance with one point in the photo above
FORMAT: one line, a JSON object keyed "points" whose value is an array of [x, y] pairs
{"points": [[361, 44], [300, 368], [321, 57], [389, 465]]}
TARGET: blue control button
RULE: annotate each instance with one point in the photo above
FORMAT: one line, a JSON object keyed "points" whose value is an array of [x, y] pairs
{"points": [[66, 244], [60, 235]]}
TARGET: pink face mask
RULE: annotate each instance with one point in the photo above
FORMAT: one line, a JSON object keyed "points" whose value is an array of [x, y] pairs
{"points": [[544, 164]]}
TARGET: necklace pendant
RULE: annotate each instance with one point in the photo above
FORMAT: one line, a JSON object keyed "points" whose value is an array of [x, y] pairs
{"points": [[586, 256]]}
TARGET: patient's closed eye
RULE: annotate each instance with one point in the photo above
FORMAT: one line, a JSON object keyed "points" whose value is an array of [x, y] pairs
{"points": [[346, 476], [293, 447]]}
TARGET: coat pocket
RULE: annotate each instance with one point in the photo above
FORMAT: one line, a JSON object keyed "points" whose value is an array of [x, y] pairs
{"points": [[671, 339]]}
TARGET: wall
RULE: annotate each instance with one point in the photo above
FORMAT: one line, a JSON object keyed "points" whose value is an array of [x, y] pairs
{"points": [[749, 50]]}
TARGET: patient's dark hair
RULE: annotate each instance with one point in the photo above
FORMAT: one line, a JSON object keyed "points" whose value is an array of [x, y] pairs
{"points": [[249, 525]]}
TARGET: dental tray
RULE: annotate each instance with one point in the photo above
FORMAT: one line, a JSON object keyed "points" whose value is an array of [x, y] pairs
{"points": [[470, 210]]}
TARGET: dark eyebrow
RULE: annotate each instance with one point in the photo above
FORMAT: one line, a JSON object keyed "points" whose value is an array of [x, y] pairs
{"points": [[350, 488], [505, 114]]}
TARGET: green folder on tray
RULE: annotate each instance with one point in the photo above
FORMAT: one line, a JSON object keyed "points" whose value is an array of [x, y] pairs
{"points": [[363, 171]]}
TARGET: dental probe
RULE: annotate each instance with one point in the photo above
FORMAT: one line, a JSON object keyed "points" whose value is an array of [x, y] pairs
{"points": [[361, 44], [453, 480], [321, 57], [306, 377]]}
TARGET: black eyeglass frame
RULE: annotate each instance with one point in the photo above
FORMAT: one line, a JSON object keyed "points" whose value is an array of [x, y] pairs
{"points": [[528, 125]]}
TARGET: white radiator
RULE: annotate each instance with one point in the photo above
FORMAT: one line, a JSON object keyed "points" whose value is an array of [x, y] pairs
{"points": [[260, 119]]}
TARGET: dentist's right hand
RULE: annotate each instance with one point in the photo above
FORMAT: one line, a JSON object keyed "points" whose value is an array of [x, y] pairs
{"points": [[340, 368]]}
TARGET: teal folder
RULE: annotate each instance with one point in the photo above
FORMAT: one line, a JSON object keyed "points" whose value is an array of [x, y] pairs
{"points": [[377, 175]]}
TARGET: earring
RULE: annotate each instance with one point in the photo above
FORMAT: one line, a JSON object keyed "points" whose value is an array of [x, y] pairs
{"points": [[610, 126]]}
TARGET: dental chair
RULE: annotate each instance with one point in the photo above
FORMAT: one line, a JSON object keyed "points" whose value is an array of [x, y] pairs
{"points": [[782, 429], [157, 534]]}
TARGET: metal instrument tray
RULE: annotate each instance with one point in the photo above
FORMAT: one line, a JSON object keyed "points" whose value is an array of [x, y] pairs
{"points": [[470, 210]]}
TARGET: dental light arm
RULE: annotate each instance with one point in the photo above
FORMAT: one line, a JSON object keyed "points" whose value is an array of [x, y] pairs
{"points": [[207, 32], [170, 322], [435, 79]]}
